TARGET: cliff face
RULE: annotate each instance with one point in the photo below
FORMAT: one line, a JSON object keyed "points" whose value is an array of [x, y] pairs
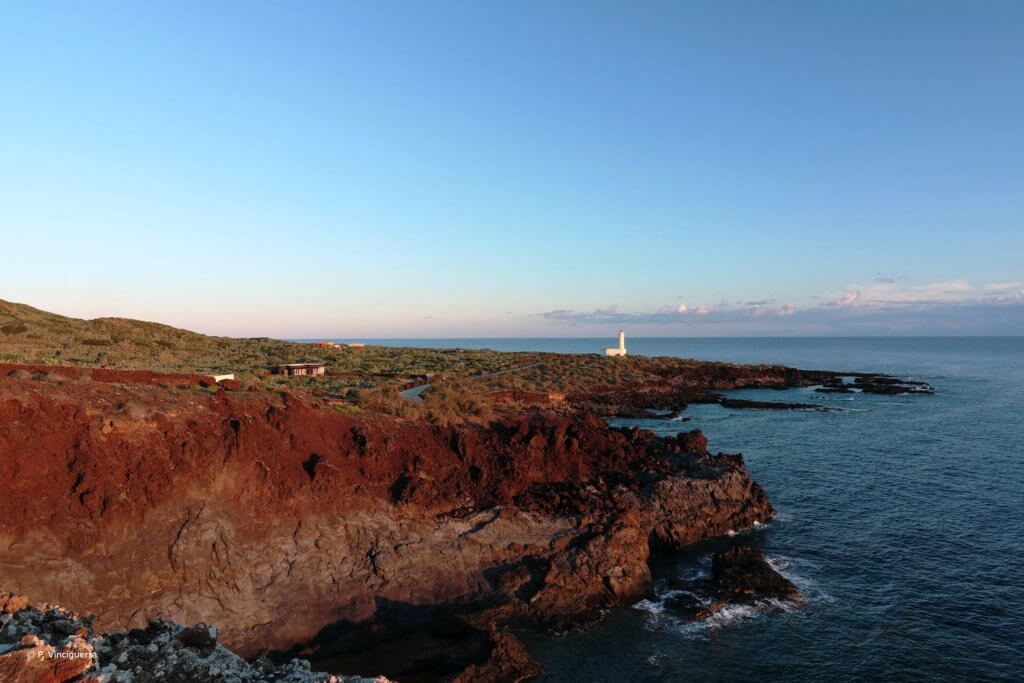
{"points": [[289, 525]]}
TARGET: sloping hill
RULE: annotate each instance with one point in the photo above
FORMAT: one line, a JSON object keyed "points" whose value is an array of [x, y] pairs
{"points": [[29, 335], [42, 327]]}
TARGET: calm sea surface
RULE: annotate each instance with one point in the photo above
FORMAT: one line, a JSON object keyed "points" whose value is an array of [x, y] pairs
{"points": [[900, 518]]}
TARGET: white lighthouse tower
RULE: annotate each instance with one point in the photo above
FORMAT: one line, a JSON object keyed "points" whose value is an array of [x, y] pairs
{"points": [[621, 350]]}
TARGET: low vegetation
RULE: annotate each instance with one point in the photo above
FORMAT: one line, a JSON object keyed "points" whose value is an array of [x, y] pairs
{"points": [[368, 378], [28, 335]]}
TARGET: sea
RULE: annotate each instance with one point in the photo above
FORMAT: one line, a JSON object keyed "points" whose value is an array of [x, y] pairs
{"points": [[900, 518]]}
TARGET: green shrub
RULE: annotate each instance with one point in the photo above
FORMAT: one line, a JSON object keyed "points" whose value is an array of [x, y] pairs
{"points": [[387, 400], [452, 402], [14, 328]]}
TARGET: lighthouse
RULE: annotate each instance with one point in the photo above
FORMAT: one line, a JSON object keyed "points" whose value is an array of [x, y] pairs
{"points": [[621, 350]]}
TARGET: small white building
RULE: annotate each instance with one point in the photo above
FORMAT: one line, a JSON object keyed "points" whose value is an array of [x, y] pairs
{"points": [[621, 350], [293, 369]]}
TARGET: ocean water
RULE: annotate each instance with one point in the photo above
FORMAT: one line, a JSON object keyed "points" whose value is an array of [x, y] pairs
{"points": [[900, 518]]}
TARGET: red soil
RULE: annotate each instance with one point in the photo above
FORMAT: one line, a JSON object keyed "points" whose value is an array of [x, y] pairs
{"points": [[81, 374]]}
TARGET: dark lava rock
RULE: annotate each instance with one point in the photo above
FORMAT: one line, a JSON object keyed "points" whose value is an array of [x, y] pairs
{"points": [[634, 412], [892, 386], [693, 440], [874, 384], [684, 604], [878, 379], [46, 643], [895, 389], [743, 573], [770, 405], [676, 412], [834, 389], [199, 636], [508, 661]]}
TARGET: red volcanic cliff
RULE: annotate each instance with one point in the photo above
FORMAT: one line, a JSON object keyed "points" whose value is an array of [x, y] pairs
{"points": [[285, 523]]}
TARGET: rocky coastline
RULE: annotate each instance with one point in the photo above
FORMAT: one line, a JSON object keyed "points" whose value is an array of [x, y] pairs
{"points": [[368, 544]]}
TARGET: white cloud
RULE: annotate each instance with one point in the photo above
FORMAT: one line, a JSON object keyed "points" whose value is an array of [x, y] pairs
{"points": [[889, 293], [848, 300], [1003, 286], [948, 307]]}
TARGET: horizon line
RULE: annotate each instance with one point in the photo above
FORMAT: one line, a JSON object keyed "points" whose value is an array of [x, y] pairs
{"points": [[820, 336]]}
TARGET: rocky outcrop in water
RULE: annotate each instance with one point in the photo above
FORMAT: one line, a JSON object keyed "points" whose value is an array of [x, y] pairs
{"points": [[875, 384], [742, 573], [771, 405], [882, 384]]}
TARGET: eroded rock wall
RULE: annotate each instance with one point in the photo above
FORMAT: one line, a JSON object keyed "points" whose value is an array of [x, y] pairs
{"points": [[276, 518]]}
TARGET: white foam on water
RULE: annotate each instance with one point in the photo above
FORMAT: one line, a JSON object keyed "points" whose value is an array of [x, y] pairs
{"points": [[695, 573], [651, 606], [756, 526], [784, 566], [728, 614], [806, 585], [659, 618]]}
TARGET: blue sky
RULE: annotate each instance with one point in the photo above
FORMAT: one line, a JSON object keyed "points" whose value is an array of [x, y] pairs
{"points": [[517, 169]]}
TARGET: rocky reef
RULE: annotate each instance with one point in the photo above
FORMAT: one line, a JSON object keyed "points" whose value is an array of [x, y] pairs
{"points": [[740, 575], [874, 384], [771, 405]]}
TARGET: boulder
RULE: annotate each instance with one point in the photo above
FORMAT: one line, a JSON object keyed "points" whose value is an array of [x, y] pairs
{"points": [[742, 573]]}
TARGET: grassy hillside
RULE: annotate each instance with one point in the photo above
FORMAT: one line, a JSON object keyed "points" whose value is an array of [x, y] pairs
{"points": [[29, 335]]}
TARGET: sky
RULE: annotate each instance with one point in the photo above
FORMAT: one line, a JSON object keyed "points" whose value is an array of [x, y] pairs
{"points": [[491, 169]]}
